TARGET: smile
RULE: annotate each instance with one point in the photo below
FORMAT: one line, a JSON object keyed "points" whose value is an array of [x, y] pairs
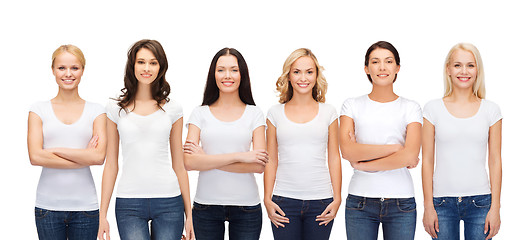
{"points": [[228, 83], [146, 75], [303, 85], [464, 79]]}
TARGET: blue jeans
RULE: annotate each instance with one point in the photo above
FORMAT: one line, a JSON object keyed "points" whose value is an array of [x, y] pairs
{"points": [[302, 214], [245, 222], [166, 216], [472, 210], [363, 216], [62, 225]]}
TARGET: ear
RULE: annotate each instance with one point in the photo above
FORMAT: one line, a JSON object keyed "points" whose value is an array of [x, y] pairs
{"points": [[397, 69], [366, 70]]}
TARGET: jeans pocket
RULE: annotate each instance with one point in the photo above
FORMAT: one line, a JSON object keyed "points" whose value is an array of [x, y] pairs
{"points": [[199, 207], [276, 199], [438, 201], [251, 209], [325, 202], [482, 201], [91, 214], [355, 202], [406, 204], [41, 213]]}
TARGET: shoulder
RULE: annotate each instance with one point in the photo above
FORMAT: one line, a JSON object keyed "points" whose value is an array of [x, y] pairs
{"points": [[275, 108], [490, 105], [173, 107], [327, 108], [39, 107], [355, 100], [96, 107], [252, 109]]}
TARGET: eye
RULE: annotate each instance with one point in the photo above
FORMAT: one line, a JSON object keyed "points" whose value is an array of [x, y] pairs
{"points": [[457, 65], [389, 61], [140, 62], [154, 63], [234, 70], [75, 68], [374, 62], [296, 72], [220, 70], [471, 65], [310, 72], [61, 68]]}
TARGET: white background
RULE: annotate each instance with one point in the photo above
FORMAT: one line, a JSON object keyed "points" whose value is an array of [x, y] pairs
{"points": [[265, 32]]}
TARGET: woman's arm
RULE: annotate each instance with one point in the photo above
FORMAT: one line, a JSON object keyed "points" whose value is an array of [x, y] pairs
{"points": [[111, 169], [195, 159], [334, 166], [39, 156], [275, 213], [181, 173], [88, 156], [495, 171], [430, 219], [355, 152], [406, 157], [259, 143]]}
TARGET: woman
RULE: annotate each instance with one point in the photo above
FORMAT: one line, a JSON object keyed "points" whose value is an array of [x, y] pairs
{"points": [[65, 136], [301, 130], [226, 124], [462, 127], [380, 136], [153, 187]]}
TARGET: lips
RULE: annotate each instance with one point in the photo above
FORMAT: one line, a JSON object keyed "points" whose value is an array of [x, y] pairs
{"points": [[464, 79], [68, 81], [303, 85], [383, 75], [146, 75], [227, 83]]}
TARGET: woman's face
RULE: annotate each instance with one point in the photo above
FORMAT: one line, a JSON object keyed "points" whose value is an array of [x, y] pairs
{"points": [[67, 70], [382, 67], [146, 67], [462, 69], [227, 74], [303, 75]]}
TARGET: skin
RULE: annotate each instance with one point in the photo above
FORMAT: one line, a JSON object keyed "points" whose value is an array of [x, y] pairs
{"points": [[462, 103], [302, 108], [68, 107], [227, 108], [368, 157], [146, 70]]}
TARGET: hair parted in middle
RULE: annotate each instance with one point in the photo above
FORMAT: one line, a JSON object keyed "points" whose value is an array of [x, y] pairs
{"points": [[159, 88], [284, 86], [212, 92], [479, 88], [382, 45]]}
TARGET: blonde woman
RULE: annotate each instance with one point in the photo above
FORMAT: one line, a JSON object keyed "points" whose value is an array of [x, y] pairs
{"points": [[459, 130], [65, 136], [301, 194]]}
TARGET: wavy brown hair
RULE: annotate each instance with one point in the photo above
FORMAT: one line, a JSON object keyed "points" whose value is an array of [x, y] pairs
{"points": [[159, 88]]}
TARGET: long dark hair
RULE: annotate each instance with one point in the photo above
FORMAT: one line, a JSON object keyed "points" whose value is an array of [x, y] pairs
{"points": [[159, 88], [212, 92], [383, 45]]}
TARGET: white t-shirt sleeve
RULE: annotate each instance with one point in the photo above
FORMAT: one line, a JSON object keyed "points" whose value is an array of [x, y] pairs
{"points": [[429, 110], [414, 113], [494, 113], [174, 110], [37, 109], [196, 117], [271, 115], [112, 111], [258, 118], [333, 114], [347, 108]]}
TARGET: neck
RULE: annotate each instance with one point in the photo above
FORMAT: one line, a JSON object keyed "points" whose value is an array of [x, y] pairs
{"points": [[301, 99], [383, 93], [228, 99], [143, 93], [67, 96], [463, 95]]}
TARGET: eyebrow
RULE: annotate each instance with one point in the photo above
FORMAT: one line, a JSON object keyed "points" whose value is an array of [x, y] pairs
{"points": [[144, 59], [466, 62], [305, 69]]}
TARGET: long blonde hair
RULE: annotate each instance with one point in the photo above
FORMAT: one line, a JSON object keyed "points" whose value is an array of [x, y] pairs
{"points": [[284, 86], [479, 88]]}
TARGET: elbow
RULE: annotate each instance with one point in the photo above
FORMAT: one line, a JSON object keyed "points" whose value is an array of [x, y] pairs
{"points": [[34, 160], [260, 169], [348, 156], [187, 163]]}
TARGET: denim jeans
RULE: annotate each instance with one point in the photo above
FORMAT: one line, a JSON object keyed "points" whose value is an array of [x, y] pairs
{"points": [[302, 214], [245, 222], [396, 215], [62, 225], [472, 210], [166, 216]]}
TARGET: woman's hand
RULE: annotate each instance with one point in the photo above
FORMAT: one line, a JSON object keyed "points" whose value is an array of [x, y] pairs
{"points": [[329, 213], [104, 228], [275, 214], [189, 229], [256, 156], [430, 222], [191, 147], [93, 142], [492, 223]]}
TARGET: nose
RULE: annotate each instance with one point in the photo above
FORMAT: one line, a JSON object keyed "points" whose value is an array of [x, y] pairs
{"points": [[228, 74], [382, 66], [147, 67], [68, 72], [464, 70]]}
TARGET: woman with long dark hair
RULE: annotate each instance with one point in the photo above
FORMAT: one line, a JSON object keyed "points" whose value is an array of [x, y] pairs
{"points": [[226, 125], [154, 188], [65, 136]]}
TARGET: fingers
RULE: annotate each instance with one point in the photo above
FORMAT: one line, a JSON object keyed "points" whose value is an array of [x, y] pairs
{"points": [[93, 142], [491, 229], [327, 216]]}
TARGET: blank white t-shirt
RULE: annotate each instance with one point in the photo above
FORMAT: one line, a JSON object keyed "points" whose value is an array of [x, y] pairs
{"points": [[217, 187], [147, 165], [302, 171], [66, 189], [381, 124], [461, 148]]}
